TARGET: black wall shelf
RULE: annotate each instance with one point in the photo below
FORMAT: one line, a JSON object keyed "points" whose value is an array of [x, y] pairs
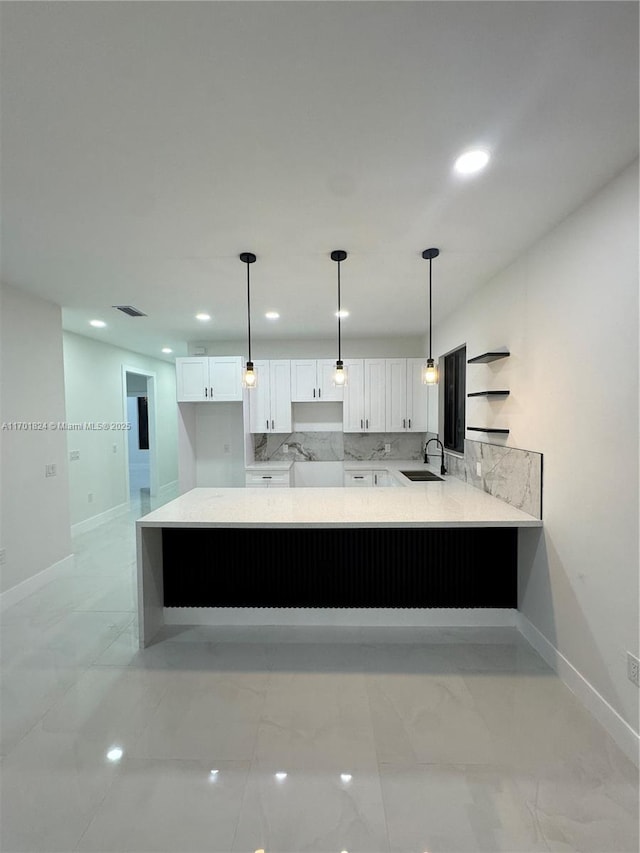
{"points": [[489, 394], [488, 429], [487, 357]]}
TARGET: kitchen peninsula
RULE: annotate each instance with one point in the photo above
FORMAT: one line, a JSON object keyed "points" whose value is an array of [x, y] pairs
{"points": [[425, 545]]}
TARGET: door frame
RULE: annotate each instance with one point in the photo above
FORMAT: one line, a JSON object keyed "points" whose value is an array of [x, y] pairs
{"points": [[153, 432]]}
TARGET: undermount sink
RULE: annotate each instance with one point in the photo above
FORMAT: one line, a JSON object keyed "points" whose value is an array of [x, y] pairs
{"points": [[421, 476]]}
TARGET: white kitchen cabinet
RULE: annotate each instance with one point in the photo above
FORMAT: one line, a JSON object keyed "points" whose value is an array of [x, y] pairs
{"points": [[374, 477], [406, 396], [212, 379], [312, 381], [364, 395], [270, 400], [268, 478]]}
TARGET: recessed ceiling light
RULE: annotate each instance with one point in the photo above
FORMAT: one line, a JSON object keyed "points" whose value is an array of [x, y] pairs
{"points": [[471, 161], [346, 777], [115, 753], [203, 317], [97, 324], [213, 775], [272, 315], [281, 776], [342, 313], [167, 350]]}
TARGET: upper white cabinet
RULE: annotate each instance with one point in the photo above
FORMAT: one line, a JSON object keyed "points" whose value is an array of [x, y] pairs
{"points": [[213, 379], [270, 400], [406, 396], [364, 395], [312, 380]]}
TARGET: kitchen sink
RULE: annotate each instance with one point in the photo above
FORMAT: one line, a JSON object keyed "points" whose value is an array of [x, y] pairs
{"points": [[421, 476]]}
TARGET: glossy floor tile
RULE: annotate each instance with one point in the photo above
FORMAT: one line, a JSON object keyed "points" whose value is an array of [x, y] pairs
{"points": [[287, 740]]}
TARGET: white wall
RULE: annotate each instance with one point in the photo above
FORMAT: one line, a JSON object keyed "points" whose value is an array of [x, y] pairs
{"points": [[94, 392], [318, 348], [568, 312], [35, 527]]}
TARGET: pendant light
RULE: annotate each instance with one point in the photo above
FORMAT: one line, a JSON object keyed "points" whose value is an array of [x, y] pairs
{"points": [[249, 377], [339, 374], [429, 370]]}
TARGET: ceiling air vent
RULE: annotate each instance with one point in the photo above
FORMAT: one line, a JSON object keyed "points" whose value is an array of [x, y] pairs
{"points": [[130, 310]]}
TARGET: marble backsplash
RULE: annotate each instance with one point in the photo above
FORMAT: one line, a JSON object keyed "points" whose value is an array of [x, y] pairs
{"points": [[337, 446], [513, 475]]}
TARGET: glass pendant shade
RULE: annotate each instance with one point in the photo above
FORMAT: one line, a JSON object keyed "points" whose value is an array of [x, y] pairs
{"points": [[429, 373], [249, 376], [340, 375]]}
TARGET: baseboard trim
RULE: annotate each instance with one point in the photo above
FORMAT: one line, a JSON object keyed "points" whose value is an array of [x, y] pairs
{"points": [[358, 617], [623, 734], [96, 520], [26, 587]]}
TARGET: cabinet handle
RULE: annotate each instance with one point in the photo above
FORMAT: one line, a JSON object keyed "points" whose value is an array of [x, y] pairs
{"points": [[358, 478], [375, 479], [404, 424], [366, 423], [409, 423], [273, 426], [361, 424], [266, 476], [267, 425], [314, 392], [212, 393], [319, 392], [205, 392]]}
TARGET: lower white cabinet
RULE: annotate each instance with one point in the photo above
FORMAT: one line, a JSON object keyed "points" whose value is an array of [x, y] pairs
{"points": [[268, 478], [375, 477]]}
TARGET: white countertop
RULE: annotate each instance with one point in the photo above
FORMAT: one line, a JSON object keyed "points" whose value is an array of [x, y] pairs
{"points": [[450, 503], [282, 465]]}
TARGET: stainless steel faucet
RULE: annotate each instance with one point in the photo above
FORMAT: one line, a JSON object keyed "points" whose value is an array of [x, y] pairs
{"points": [[443, 470]]}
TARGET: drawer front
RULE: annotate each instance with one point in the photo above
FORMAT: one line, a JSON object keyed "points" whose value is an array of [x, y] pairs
{"points": [[358, 478], [267, 478]]}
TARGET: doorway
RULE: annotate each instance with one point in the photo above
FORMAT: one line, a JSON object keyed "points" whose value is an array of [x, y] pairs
{"points": [[140, 448]]}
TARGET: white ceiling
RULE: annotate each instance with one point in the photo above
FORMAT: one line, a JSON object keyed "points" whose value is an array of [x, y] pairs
{"points": [[144, 145]]}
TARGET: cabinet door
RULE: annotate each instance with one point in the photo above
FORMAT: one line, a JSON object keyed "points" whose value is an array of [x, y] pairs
{"points": [[353, 408], [304, 387], [382, 478], [374, 395], [280, 386], [416, 396], [326, 389], [396, 395], [225, 378], [192, 379], [259, 399]]}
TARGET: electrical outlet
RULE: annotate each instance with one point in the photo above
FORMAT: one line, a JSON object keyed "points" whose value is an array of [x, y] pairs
{"points": [[387, 448], [3, 556], [74, 455], [479, 469], [90, 498], [633, 669], [49, 470], [115, 448]]}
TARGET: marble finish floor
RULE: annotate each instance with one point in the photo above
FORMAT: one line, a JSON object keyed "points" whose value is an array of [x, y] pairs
{"points": [[288, 740]]}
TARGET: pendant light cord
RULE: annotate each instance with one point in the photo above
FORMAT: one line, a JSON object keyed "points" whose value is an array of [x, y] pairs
{"points": [[430, 335], [339, 318], [249, 311]]}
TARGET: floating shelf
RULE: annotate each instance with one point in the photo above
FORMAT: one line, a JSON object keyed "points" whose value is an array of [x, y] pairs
{"points": [[488, 356], [489, 394], [488, 429]]}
